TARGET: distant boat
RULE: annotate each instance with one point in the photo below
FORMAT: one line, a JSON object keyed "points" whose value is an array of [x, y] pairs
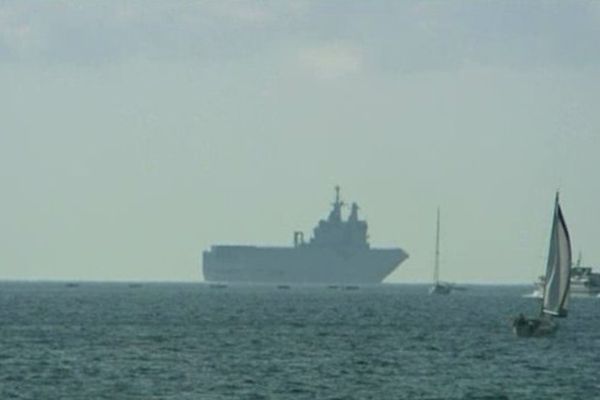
{"points": [[438, 287], [135, 285], [351, 287], [537, 293], [584, 282], [557, 281], [72, 285], [218, 285], [283, 286]]}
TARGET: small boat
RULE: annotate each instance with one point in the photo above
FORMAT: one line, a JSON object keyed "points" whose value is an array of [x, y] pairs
{"points": [[536, 294], [351, 287], [557, 281], [438, 286], [585, 282], [218, 285], [283, 286], [72, 285]]}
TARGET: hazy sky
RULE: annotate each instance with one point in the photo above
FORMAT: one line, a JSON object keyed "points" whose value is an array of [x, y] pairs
{"points": [[135, 134]]}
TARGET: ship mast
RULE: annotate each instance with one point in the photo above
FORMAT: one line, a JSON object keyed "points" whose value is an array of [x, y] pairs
{"points": [[436, 269], [336, 213]]}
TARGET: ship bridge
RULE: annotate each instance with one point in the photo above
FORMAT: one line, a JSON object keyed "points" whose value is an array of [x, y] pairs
{"points": [[337, 232]]}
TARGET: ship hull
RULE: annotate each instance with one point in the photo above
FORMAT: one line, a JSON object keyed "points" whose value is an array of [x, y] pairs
{"points": [[303, 265], [584, 283]]}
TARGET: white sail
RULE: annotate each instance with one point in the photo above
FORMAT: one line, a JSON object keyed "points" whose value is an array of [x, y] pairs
{"points": [[558, 269]]}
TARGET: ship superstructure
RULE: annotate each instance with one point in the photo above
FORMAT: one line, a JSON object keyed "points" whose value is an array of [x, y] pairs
{"points": [[584, 281], [338, 252]]}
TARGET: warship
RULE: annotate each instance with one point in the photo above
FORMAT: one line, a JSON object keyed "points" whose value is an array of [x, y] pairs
{"points": [[337, 253]]}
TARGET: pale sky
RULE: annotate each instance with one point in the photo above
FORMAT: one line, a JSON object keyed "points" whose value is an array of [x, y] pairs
{"points": [[133, 135]]}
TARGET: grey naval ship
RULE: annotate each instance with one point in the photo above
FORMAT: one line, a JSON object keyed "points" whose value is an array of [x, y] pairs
{"points": [[337, 253]]}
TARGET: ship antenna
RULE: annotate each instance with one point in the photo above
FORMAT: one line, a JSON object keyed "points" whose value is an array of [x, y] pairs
{"points": [[337, 194]]}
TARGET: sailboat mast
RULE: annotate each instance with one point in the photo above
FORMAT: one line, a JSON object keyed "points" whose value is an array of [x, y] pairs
{"points": [[436, 269]]}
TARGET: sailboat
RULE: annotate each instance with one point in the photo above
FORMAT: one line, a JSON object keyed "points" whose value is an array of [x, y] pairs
{"points": [[556, 283], [438, 287]]}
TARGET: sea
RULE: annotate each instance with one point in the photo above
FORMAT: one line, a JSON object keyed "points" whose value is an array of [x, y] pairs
{"points": [[86, 340]]}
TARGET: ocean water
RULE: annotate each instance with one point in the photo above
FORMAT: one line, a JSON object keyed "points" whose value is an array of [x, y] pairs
{"points": [[191, 341]]}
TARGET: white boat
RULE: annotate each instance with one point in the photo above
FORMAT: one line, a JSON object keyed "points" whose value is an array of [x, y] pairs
{"points": [[536, 294], [584, 282], [557, 281], [438, 287]]}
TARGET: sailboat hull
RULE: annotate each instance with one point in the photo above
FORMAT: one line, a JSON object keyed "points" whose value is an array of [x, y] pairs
{"points": [[440, 288], [534, 327]]}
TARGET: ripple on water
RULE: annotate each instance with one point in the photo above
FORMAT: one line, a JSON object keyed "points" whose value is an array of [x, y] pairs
{"points": [[187, 342]]}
